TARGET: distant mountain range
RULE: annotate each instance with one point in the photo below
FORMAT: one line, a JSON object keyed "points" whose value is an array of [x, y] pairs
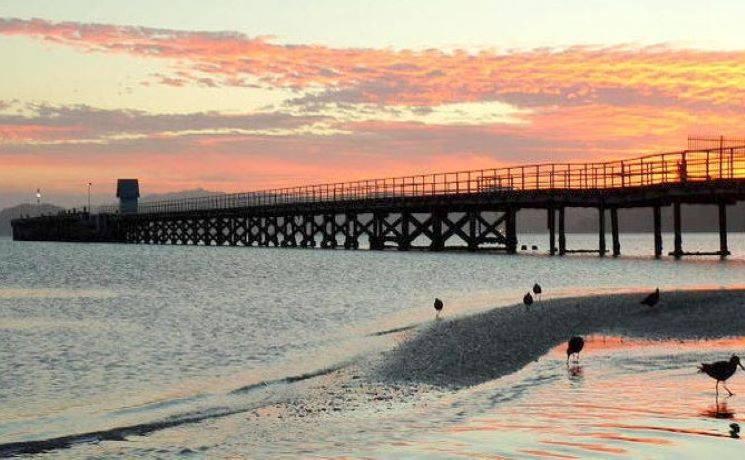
{"points": [[578, 220], [8, 214], [695, 218], [195, 193]]}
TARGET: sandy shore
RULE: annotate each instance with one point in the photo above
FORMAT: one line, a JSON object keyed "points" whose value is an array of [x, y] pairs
{"points": [[473, 349], [431, 360]]}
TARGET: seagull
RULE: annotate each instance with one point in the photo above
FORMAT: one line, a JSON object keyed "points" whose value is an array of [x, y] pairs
{"points": [[527, 299], [537, 290], [438, 307], [721, 371], [652, 299], [574, 346]]}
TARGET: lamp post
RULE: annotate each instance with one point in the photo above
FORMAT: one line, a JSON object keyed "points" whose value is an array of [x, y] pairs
{"points": [[90, 184]]}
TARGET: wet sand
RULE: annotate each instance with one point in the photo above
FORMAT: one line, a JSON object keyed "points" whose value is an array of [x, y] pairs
{"points": [[435, 377], [474, 349]]}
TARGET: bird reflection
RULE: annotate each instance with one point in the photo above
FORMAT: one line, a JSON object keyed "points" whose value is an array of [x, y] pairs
{"points": [[575, 372], [719, 410]]}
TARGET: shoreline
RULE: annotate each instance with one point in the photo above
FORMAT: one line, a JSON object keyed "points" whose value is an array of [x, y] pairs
{"points": [[469, 350], [433, 359]]}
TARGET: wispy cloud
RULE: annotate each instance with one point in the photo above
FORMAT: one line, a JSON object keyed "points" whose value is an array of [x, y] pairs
{"points": [[364, 112], [580, 75]]}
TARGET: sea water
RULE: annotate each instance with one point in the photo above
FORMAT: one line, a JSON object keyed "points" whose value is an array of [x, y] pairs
{"points": [[100, 336]]}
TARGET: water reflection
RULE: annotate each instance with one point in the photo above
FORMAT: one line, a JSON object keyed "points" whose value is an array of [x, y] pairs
{"points": [[575, 372], [719, 409]]}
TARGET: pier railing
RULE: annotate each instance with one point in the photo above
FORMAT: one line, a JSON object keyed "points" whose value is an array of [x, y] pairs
{"points": [[700, 165]]}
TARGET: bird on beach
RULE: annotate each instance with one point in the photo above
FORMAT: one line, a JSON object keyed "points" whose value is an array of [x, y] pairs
{"points": [[652, 299], [721, 371], [438, 307], [574, 346], [528, 299], [537, 290]]}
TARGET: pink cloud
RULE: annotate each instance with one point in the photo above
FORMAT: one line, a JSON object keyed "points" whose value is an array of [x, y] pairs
{"points": [[575, 76], [585, 103]]}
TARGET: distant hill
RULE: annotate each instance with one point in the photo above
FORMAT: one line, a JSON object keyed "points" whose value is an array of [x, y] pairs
{"points": [[8, 214], [195, 193], [151, 197], [695, 218]]}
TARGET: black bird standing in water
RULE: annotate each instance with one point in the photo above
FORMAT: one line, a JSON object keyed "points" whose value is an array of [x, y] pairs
{"points": [[721, 371], [652, 299], [574, 346], [528, 299], [438, 307], [537, 290]]}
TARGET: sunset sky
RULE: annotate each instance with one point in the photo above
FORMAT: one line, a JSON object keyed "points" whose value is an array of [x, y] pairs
{"points": [[244, 95]]}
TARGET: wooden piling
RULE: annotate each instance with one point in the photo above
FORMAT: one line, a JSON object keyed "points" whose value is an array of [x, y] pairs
{"points": [[723, 249], [678, 250], [562, 233], [437, 243], [614, 231], [472, 237], [657, 232], [601, 231], [552, 230], [511, 230], [404, 242]]}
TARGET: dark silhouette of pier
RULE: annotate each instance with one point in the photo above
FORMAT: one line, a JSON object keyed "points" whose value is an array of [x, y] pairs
{"points": [[466, 210]]}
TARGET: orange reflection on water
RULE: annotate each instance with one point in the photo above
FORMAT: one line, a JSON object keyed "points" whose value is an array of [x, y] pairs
{"points": [[664, 429], [626, 438], [588, 446], [604, 343], [545, 454]]}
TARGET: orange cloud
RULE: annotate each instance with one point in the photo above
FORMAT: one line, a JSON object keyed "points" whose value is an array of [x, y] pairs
{"points": [[580, 75], [581, 103]]}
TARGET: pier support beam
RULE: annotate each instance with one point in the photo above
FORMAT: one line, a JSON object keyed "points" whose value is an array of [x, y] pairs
{"points": [[601, 231], [614, 232], [404, 242], [376, 239], [552, 231], [723, 249], [437, 243], [562, 233], [657, 232], [472, 237], [511, 231], [678, 250]]}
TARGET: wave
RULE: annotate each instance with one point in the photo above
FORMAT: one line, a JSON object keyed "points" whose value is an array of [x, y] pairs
{"points": [[291, 378], [142, 429]]}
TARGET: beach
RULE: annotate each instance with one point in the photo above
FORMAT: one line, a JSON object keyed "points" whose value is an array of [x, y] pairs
{"points": [[427, 368], [138, 351]]}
